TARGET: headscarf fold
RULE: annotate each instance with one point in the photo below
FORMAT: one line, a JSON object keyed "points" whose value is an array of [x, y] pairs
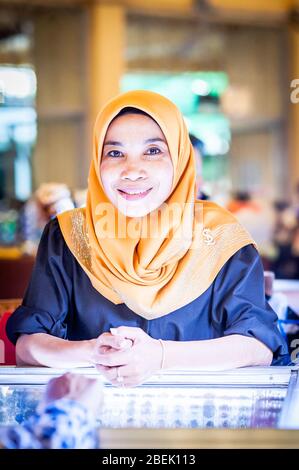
{"points": [[160, 262]]}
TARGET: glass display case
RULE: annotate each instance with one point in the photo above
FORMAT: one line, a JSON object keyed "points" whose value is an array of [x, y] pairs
{"points": [[243, 398]]}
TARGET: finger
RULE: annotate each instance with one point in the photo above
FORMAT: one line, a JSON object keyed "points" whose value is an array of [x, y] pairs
{"points": [[131, 375], [126, 343], [102, 337], [114, 341], [113, 375], [118, 374], [119, 342], [113, 358], [129, 332], [104, 349], [102, 368], [109, 373], [133, 381], [128, 370]]}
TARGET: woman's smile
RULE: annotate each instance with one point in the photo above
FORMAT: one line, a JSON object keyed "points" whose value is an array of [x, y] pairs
{"points": [[134, 194]]}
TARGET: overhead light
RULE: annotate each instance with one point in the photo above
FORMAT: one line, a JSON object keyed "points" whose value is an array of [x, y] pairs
{"points": [[200, 87], [18, 82]]}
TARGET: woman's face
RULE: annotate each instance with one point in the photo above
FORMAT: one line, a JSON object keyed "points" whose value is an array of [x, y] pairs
{"points": [[136, 167]]}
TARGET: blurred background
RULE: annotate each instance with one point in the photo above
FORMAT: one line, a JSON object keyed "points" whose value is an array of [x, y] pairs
{"points": [[231, 67]]}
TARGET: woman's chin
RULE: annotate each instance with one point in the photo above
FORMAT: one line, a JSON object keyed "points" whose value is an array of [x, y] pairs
{"points": [[135, 210]]}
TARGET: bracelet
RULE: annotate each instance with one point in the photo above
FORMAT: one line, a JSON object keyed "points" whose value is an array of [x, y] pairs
{"points": [[163, 354]]}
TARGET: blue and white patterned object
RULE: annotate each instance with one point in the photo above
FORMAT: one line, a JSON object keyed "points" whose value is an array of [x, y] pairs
{"points": [[64, 424]]}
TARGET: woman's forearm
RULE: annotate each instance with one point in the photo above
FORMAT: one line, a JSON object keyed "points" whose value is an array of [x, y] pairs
{"points": [[228, 352], [41, 349]]}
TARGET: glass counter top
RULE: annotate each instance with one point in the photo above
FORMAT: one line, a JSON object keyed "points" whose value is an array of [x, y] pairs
{"points": [[243, 398]]}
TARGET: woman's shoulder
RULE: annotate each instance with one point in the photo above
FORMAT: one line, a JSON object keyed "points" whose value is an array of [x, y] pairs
{"points": [[54, 249], [221, 224], [52, 230], [214, 214], [52, 239], [73, 217]]}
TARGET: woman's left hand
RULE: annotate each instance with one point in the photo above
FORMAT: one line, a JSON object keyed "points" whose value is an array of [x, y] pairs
{"points": [[132, 366]]}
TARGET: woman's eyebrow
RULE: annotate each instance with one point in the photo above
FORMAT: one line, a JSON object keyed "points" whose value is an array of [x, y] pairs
{"points": [[155, 139], [113, 142]]}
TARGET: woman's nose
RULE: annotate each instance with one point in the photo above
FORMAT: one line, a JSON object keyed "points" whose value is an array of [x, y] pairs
{"points": [[133, 173]]}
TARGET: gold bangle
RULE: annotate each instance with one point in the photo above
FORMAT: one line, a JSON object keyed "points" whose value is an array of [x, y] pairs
{"points": [[163, 354]]}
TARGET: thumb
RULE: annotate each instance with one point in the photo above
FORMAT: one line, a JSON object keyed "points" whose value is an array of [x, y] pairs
{"points": [[129, 332]]}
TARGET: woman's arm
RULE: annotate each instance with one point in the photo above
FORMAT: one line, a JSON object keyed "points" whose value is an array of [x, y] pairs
{"points": [[223, 353], [48, 297], [42, 349]]}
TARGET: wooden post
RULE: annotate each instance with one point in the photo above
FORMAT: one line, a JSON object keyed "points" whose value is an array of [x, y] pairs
{"points": [[106, 48]]}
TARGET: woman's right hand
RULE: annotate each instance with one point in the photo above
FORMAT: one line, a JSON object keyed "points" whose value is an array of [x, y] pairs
{"points": [[108, 342]]}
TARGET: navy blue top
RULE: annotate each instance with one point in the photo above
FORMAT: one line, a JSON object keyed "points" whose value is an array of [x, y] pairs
{"points": [[61, 301]]}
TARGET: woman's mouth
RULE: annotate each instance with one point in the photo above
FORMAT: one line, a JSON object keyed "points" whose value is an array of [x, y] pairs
{"points": [[134, 194]]}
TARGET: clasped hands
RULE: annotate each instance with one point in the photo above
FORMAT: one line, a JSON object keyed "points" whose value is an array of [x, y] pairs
{"points": [[126, 356]]}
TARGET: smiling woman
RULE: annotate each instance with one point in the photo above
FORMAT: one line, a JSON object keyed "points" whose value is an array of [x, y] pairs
{"points": [[184, 292]]}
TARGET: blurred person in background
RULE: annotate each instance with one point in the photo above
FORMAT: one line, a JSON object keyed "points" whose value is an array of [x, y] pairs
{"points": [[296, 201], [48, 200], [242, 200], [286, 241], [79, 197], [110, 289], [64, 419], [288, 319], [258, 218], [198, 147]]}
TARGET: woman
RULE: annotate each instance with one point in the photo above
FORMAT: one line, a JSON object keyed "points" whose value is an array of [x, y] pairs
{"points": [[145, 277]]}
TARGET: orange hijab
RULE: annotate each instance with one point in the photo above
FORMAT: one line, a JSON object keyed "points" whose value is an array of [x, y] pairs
{"points": [[158, 271]]}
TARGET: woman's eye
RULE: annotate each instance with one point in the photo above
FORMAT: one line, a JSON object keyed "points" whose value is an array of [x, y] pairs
{"points": [[153, 151], [114, 153]]}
